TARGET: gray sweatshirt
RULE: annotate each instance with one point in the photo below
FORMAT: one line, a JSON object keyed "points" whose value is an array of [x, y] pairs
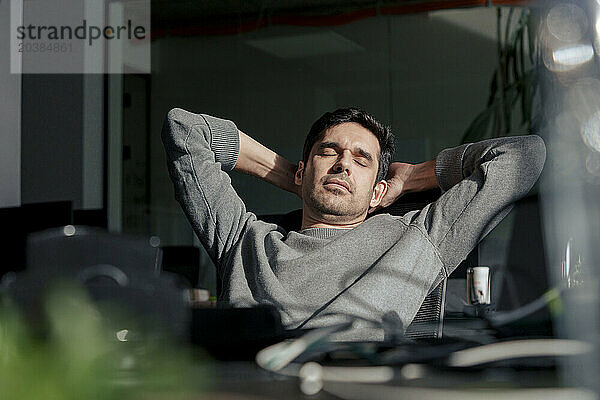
{"points": [[396, 259]]}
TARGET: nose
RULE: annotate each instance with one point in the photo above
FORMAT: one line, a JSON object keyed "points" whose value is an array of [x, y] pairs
{"points": [[343, 163]]}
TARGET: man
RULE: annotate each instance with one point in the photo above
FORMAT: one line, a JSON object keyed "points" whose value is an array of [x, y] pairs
{"points": [[341, 265]]}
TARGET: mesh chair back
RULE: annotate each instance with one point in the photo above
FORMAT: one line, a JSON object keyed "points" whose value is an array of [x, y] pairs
{"points": [[429, 320]]}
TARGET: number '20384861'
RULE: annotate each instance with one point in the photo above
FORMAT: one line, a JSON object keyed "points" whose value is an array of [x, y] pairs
{"points": [[59, 47]]}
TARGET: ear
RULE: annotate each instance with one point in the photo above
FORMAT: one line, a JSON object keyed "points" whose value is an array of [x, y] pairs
{"points": [[298, 175], [379, 192]]}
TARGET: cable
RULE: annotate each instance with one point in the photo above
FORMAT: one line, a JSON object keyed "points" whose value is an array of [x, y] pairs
{"points": [[550, 299], [279, 358], [276, 357], [518, 349]]}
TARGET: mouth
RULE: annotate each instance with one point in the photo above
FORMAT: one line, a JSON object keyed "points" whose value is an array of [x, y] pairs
{"points": [[338, 182]]}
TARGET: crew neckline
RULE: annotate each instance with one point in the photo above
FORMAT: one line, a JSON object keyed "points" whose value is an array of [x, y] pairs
{"points": [[323, 233]]}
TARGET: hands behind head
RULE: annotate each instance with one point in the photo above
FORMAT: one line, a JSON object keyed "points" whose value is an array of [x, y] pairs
{"points": [[398, 174]]}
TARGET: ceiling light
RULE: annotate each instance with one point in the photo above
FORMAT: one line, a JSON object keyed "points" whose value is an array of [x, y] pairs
{"points": [[306, 45]]}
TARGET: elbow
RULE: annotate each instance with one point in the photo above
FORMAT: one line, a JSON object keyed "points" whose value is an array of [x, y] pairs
{"points": [[175, 128], [530, 163], [536, 155], [169, 126], [176, 115]]}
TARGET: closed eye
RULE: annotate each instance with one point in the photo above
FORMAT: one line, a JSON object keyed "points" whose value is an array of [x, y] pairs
{"points": [[362, 164]]}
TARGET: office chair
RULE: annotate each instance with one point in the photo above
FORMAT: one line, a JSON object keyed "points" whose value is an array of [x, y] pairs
{"points": [[428, 322], [184, 262], [113, 268]]}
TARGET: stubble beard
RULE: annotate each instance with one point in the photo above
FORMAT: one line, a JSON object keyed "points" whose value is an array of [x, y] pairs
{"points": [[333, 202], [328, 204]]}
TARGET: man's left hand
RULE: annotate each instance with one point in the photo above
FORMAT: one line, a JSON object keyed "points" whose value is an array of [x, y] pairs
{"points": [[398, 174]]}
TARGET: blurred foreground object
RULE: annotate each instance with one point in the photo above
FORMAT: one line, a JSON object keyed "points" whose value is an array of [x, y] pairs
{"points": [[570, 186], [84, 357], [91, 318], [119, 270]]}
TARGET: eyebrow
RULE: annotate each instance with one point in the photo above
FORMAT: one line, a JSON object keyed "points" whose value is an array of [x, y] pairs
{"points": [[335, 145]]}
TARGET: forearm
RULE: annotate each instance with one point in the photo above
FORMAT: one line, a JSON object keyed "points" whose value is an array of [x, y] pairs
{"points": [[480, 181], [520, 156], [257, 160], [422, 178], [199, 149]]}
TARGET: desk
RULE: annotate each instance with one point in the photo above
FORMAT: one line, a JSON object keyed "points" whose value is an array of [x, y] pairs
{"points": [[246, 381]]}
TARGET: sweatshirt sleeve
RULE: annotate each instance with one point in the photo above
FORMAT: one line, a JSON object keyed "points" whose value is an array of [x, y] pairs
{"points": [[480, 182], [199, 149]]}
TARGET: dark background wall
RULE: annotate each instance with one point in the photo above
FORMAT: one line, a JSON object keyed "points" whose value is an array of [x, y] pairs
{"points": [[10, 116], [51, 138]]}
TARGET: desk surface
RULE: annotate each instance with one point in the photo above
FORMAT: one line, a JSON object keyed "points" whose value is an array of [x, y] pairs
{"points": [[246, 381]]}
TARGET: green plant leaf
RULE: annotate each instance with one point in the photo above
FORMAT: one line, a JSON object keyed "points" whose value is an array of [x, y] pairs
{"points": [[530, 86], [507, 28], [512, 82], [515, 55], [531, 29], [81, 357], [479, 128], [493, 88], [522, 52]]}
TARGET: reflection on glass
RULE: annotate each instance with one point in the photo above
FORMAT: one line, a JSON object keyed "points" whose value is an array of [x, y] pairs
{"points": [[573, 56], [583, 104], [591, 131], [122, 335], [592, 163], [69, 230], [567, 22], [570, 190]]}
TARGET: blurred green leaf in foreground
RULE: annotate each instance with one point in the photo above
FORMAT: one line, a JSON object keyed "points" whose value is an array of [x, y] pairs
{"points": [[83, 357]]}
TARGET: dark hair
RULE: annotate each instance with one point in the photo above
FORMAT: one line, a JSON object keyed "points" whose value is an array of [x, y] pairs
{"points": [[330, 119]]}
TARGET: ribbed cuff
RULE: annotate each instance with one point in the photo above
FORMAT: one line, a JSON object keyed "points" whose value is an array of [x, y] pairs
{"points": [[224, 141], [448, 166]]}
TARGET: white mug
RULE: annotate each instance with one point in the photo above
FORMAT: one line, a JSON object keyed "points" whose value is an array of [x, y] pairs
{"points": [[478, 285]]}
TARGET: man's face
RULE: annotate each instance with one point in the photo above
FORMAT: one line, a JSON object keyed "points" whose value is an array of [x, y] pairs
{"points": [[339, 175]]}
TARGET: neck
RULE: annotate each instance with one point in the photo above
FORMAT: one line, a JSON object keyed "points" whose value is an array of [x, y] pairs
{"points": [[329, 221]]}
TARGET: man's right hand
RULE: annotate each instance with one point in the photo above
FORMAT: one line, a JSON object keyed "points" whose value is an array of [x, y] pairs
{"points": [[257, 160]]}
